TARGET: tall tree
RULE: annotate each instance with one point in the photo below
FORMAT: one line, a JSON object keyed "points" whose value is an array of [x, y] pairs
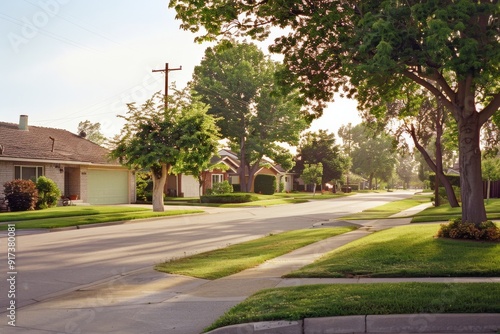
{"points": [[92, 131], [427, 123], [321, 147], [373, 154], [159, 138], [371, 48], [406, 169], [237, 81]]}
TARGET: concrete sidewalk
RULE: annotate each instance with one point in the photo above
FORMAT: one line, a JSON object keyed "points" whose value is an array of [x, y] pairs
{"points": [[147, 301]]}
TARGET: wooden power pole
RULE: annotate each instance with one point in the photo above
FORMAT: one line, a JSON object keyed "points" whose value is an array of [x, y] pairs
{"points": [[166, 70]]}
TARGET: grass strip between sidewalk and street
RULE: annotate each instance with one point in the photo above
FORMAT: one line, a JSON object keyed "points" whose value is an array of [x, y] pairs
{"points": [[296, 303], [235, 258], [407, 251], [79, 215], [389, 209]]}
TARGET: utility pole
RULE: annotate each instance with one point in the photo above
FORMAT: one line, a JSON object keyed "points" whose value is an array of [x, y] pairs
{"points": [[166, 70]]}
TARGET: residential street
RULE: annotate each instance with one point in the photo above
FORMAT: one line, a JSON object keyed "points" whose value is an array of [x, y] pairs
{"points": [[51, 265]]}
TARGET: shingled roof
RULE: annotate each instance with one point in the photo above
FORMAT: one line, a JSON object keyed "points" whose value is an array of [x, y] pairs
{"points": [[48, 144]]}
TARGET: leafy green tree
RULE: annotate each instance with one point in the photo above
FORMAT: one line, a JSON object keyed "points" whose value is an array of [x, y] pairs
{"points": [[92, 131], [321, 147], [237, 81], [312, 174], [427, 123], [373, 154], [159, 138], [370, 49], [406, 170]]}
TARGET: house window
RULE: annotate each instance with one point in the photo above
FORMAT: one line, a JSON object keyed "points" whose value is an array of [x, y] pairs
{"points": [[217, 178], [28, 172]]}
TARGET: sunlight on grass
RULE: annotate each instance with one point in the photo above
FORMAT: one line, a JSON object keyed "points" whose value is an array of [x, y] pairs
{"points": [[312, 301], [230, 260], [86, 216], [407, 251]]}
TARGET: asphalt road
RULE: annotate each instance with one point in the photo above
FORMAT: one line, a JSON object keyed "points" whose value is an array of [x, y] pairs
{"points": [[50, 265]]}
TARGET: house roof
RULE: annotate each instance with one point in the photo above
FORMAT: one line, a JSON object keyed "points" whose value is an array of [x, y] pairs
{"points": [[48, 144]]}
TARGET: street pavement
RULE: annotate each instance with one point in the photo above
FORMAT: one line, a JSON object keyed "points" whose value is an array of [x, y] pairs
{"points": [[142, 300]]}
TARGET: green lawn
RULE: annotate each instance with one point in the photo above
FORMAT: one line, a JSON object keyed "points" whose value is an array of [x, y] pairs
{"points": [[310, 301], [230, 260], [263, 200], [407, 251], [389, 209], [81, 215]]}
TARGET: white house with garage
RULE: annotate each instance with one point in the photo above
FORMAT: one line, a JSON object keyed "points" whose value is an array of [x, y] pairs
{"points": [[81, 169]]}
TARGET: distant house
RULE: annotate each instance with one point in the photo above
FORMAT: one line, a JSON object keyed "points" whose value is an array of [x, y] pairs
{"points": [[79, 167], [187, 186]]}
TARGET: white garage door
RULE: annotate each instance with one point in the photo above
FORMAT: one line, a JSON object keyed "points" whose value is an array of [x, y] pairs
{"points": [[107, 187]]}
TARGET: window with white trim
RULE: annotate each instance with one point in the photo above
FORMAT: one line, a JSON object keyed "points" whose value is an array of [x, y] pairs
{"points": [[28, 172], [217, 178]]}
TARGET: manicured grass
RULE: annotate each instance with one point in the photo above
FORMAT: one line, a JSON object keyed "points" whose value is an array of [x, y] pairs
{"points": [[389, 209], [67, 211], [407, 251], [363, 299], [230, 260], [80, 215], [262, 200], [445, 212]]}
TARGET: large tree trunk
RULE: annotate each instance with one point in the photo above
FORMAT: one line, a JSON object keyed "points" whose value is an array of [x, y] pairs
{"points": [[242, 169], [159, 179], [471, 182]]}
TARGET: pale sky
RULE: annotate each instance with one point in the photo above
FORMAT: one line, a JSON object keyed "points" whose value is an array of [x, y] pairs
{"points": [[67, 61]]}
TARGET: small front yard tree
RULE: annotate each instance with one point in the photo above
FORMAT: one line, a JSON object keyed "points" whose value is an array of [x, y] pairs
{"points": [[159, 138], [312, 174]]}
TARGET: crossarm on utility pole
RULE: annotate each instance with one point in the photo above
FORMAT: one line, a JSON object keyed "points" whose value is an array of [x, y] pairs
{"points": [[166, 70]]}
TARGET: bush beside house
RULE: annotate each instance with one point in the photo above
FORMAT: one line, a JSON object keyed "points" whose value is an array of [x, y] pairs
{"points": [[48, 193], [21, 195], [265, 184]]}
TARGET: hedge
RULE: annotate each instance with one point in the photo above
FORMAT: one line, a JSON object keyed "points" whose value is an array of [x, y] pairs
{"points": [[265, 184], [228, 198]]}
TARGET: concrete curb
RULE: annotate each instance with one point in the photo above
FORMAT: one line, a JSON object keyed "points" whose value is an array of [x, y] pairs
{"points": [[397, 323]]}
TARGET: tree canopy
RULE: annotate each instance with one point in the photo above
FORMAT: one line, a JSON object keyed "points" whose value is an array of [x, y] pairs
{"points": [[159, 139], [321, 147], [237, 81], [92, 131], [371, 49]]}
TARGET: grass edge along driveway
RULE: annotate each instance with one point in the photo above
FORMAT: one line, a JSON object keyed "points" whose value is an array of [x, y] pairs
{"points": [[81, 215]]}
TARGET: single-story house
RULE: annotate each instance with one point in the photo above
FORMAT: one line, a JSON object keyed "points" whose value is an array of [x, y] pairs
{"points": [[187, 186], [80, 168]]}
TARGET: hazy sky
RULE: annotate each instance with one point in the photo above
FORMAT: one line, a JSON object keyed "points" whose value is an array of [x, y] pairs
{"points": [[66, 61]]}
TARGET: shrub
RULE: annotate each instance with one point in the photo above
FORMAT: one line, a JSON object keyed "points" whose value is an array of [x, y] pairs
{"points": [[265, 184], [220, 188], [228, 198], [48, 193], [456, 229], [144, 186], [21, 195]]}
